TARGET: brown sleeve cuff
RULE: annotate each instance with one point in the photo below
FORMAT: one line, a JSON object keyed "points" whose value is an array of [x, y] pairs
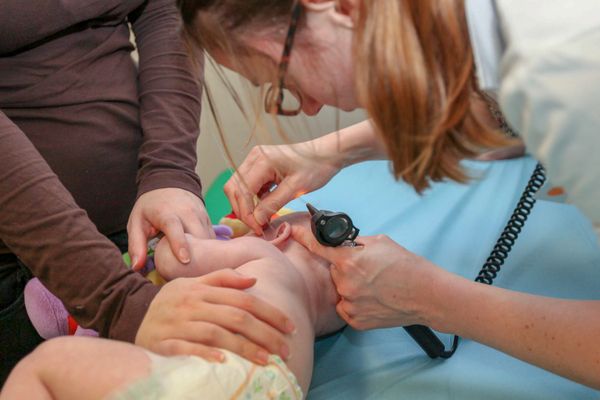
{"points": [[128, 321], [170, 179]]}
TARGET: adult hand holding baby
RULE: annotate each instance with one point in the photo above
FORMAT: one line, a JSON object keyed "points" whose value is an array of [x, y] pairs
{"points": [[172, 211], [198, 315]]}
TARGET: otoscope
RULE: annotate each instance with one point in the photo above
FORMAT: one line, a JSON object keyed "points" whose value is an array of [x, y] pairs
{"points": [[335, 229]]}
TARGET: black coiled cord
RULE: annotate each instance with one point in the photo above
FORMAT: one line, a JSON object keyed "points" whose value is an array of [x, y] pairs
{"points": [[504, 244], [507, 239], [513, 228]]}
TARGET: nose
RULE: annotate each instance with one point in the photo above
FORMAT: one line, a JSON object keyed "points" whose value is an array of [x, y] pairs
{"points": [[311, 107]]}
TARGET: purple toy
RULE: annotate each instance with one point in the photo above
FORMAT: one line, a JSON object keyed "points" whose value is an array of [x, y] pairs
{"points": [[48, 314]]}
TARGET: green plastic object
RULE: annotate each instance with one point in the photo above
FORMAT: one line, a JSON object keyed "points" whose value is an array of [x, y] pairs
{"points": [[217, 204], [127, 257]]}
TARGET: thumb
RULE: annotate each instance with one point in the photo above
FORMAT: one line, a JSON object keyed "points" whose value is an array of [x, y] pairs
{"points": [[228, 278], [138, 246], [305, 236]]}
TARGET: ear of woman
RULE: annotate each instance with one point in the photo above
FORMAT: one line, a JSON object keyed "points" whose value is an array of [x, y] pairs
{"points": [[341, 11]]}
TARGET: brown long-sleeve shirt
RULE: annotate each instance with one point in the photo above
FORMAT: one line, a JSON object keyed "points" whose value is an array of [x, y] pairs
{"points": [[81, 128]]}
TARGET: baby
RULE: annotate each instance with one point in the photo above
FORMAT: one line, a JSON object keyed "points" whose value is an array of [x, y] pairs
{"points": [[288, 276]]}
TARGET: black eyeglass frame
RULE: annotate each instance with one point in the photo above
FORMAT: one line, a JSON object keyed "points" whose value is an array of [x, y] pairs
{"points": [[274, 96]]}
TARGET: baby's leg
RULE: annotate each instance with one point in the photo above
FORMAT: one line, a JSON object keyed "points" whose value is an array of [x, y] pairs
{"points": [[76, 368], [208, 255], [280, 283]]}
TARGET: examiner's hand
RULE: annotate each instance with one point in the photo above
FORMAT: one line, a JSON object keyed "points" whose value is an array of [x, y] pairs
{"points": [[381, 284], [171, 211], [291, 170], [199, 315]]}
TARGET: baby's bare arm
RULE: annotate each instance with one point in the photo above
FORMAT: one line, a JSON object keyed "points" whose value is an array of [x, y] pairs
{"points": [[208, 255], [76, 368]]}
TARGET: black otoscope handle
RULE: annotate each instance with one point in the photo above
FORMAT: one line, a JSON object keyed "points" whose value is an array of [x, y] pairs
{"points": [[428, 341], [424, 336]]}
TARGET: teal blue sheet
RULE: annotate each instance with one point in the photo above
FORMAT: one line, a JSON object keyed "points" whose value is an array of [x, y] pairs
{"points": [[455, 226]]}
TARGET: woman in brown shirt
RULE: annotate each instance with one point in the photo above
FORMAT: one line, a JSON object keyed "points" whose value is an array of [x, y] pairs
{"points": [[93, 148]]}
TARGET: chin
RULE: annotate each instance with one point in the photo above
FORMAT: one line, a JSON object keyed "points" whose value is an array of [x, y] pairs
{"points": [[348, 105], [340, 106]]}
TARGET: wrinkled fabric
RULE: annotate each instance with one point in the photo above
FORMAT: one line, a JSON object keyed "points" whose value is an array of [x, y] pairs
{"points": [[542, 59], [82, 133]]}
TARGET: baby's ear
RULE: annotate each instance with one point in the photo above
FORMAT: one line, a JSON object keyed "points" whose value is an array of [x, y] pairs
{"points": [[283, 233]]}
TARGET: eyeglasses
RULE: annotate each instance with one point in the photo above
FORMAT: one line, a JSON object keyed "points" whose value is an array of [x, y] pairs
{"points": [[274, 98]]}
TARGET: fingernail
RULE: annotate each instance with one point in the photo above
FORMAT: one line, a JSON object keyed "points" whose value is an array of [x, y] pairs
{"points": [[134, 261], [259, 219], [262, 357], [290, 327], [284, 352], [217, 356], [184, 255]]}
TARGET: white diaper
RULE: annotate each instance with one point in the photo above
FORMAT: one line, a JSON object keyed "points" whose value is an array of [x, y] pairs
{"points": [[189, 377]]}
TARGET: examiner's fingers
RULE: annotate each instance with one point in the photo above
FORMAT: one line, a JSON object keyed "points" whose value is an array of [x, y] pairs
{"points": [[230, 190], [242, 203], [246, 212], [340, 308], [255, 173], [272, 202], [334, 255]]}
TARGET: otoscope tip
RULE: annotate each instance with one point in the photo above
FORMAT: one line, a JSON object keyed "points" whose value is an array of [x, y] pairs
{"points": [[312, 210]]}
